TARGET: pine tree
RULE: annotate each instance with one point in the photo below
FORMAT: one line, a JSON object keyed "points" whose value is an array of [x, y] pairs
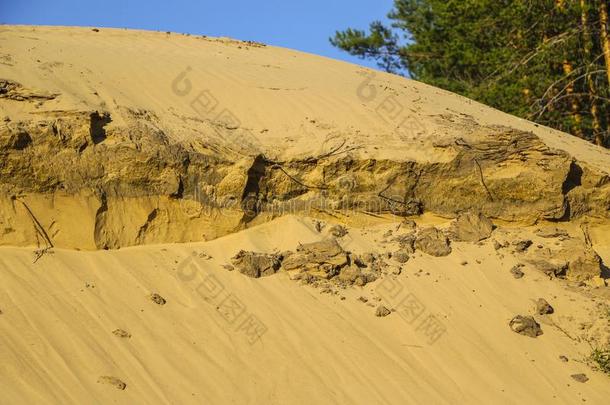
{"points": [[545, 60]]}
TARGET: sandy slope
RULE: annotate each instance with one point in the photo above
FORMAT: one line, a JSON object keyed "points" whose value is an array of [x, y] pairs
{"points": [[58, 315]]}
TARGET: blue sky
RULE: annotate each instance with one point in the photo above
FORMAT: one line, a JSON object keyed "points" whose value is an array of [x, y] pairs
{"points": [[302, 25]]}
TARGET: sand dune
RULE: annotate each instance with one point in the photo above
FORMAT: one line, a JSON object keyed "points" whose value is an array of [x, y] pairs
{"points": [[137, 165]]}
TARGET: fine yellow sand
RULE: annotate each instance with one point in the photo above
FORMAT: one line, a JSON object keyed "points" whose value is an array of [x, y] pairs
{"points": [[58, 315]]}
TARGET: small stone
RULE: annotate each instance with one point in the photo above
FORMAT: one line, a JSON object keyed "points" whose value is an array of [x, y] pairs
{"points": [[382, 311], [358, 261], [522, 245], [401, 256], [256, 265], [525, 325], [228, 267], [584, 263], [551, 268], [117, 383], [471, 227], [157, 299], [563, 358], [581, 378], [517, 272], [543, 307], [324, 259], [406, 242], [464, 263], [121, 333], [433, 242], [363, 299], [338, 231]]}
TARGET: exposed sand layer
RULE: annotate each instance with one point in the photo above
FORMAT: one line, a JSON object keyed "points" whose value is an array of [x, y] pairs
{"points": [[60, 313]]}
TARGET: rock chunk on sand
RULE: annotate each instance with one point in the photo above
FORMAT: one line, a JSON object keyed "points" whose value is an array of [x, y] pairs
{"points": [[433, 242], [581, 378], [115, 382], [354, 275], [543, 307], [323, 258], [525, 325], [326, 260], [522, 245], [517, 272], [401, 256], [571, 258], [256, 265], [583, 264], [497, 245], [406, 242], [121, 333], [471, 227], [550, 268], [338, 231], [157, 299], [382, 311]]}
